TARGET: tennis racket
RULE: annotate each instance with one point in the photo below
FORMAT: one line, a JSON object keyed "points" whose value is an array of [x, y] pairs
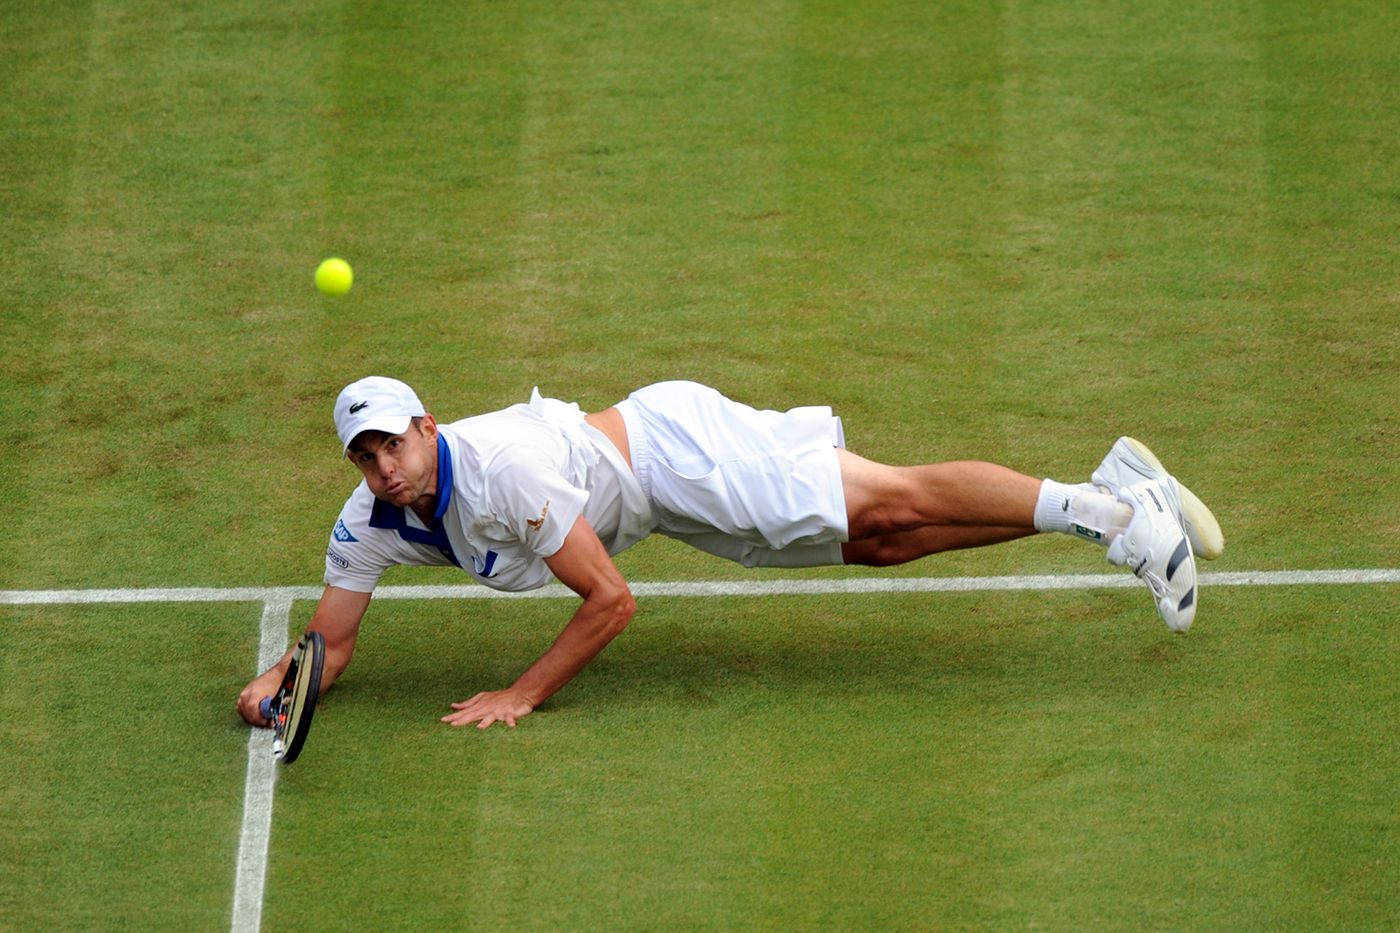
{"points": [[290, 709]]}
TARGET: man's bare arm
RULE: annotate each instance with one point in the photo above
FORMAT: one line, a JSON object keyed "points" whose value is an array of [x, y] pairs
{"points": [[584, 566], [337, 617]]}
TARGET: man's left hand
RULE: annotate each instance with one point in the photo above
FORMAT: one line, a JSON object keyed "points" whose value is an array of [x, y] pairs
{"points": [[505, 706]]}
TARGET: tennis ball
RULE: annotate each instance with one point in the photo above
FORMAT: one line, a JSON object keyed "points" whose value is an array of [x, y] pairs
{"points": [[334, 277]]}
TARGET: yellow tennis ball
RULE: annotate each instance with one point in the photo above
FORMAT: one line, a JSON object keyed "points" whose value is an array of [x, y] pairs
{"points": [[334, 277]]}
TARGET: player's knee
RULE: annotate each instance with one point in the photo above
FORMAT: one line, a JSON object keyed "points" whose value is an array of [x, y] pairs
{"points": [[880, 499], [893, 511], [875, 552]]}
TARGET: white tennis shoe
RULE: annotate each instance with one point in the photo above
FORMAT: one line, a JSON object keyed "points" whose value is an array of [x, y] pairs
{"points": [[1156, 548], [1130, 462]]}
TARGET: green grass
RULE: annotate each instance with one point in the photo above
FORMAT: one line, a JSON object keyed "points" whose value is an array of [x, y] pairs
{"points": [[994, 759], [1008, 232], [123, 785]]}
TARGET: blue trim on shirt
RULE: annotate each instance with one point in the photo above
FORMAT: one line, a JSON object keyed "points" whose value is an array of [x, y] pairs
{"points": [[390, 517], [444, 480]]}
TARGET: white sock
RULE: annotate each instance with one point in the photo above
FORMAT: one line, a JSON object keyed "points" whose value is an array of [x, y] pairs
{"points": [[1082, 511], [1052, 507]]}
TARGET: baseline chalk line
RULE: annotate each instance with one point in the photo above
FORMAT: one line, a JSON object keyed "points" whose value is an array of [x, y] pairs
{"points": [[788, 587]]}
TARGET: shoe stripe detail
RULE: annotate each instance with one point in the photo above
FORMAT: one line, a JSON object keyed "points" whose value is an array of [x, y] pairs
{"points": [[1187, 600], [1182, 552]]}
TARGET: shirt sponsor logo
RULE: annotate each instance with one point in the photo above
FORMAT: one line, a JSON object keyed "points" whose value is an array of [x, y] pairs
{"points": [[341, 533], [482, 567], [336, 559], [537, 523]]}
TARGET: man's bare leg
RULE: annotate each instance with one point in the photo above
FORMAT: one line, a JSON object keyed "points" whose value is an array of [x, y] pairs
{"points": [[897, 514], [904, 546], [886, 500]]}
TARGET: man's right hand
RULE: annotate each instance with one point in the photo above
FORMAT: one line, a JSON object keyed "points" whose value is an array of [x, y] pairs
{"points": [[337, 617], [263, 686]]}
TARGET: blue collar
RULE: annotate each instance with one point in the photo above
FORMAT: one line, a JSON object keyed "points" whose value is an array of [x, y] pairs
{"points": [[389, 516], [444, 480]]}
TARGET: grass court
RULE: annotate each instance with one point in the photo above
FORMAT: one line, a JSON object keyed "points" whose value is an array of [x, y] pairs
{"points": [[1005, 231]]}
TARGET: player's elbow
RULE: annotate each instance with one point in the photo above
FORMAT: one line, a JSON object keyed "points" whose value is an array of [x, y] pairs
{"points": [[618, 610]]}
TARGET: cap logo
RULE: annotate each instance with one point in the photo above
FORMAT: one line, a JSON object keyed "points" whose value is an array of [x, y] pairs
{"points": [[358, 407]]}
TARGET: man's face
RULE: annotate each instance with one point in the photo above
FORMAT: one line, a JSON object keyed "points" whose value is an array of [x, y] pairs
{"points": [[399, 468]]}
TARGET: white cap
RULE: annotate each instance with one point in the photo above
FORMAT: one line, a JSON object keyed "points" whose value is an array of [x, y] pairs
{"points": [[375, 403]]}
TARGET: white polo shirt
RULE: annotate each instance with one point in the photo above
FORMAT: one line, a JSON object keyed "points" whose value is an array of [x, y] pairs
{"points": [[511, 485]]}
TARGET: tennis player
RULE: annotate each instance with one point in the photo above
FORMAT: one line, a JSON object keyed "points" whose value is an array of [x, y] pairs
{"points": [[543, 491]]}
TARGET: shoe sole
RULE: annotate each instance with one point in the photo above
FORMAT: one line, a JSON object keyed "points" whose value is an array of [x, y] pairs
{"points": [[1198, 521]]}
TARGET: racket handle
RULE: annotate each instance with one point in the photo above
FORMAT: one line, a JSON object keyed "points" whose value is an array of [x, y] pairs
{"points": [[265, 707]]}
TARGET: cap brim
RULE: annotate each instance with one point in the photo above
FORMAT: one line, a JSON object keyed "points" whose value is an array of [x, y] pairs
{"points": [[389, 424]]}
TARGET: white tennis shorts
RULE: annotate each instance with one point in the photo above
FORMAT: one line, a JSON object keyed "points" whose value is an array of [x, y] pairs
{"points": [[762, 488]]}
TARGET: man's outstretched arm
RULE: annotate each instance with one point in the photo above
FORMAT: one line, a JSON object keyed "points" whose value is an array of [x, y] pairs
{"points": [[584, 566], [337, 617]]}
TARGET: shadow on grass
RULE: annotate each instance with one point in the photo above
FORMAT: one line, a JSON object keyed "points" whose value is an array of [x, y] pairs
{"points": [[723, 651]]}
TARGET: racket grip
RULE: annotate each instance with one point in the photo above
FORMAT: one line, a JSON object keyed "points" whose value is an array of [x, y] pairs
{"points": [[265, 707]]}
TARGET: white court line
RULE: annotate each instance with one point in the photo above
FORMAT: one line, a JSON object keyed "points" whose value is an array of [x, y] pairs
{"points": [[277, 601], [258, 784], [790, 587], [159, 595]]}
